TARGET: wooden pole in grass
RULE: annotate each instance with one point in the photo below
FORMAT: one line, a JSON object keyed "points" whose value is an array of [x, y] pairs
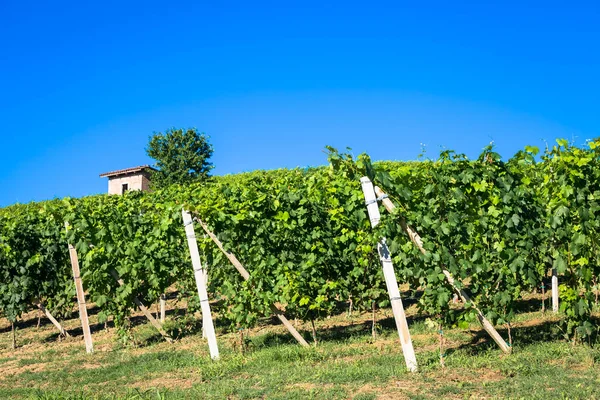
{"points": [[144, 310], [397, 306], [52, 319], [555, 304], [200, 275], [83, 315], [14, 336], [390, 279], [416, 239], [163, 308], [240, 268]]}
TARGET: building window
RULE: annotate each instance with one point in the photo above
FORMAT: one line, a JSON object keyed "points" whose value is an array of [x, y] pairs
{"points": [[124, 188]]}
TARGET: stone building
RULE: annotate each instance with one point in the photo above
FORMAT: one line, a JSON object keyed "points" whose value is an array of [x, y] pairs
{"points": [[136, 178]]}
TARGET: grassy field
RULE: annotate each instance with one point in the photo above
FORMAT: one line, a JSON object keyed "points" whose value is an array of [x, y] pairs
{"points": [[347, 363]]}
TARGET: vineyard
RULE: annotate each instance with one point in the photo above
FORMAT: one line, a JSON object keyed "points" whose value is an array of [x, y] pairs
{"points": [[502, 229]]}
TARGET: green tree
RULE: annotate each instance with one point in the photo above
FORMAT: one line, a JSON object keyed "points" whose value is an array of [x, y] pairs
{"points": [[182, 156]]}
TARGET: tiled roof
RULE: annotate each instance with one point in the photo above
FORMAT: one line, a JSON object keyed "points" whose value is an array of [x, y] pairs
{"points": [[126, 171]]}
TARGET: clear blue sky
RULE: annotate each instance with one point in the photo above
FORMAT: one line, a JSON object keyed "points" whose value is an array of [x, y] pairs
{"points": [[83, 84]]}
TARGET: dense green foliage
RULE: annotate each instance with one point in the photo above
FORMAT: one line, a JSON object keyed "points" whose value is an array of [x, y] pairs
{"points": [[136, 236], [478, 221], [498, 226], [303, 234], [570, 191], [33, 260], [182, 156]]}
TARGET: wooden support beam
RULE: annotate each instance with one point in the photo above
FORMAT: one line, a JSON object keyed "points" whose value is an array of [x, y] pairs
{"points": [[390, 279], [144, 310], [240, 268], [52, 319], [416, 239], [397, 306], [200, 275], [83, 315]]}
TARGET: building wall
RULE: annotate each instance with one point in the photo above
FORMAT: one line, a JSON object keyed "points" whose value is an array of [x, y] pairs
{"points": [[134, 181], [145, 183]]}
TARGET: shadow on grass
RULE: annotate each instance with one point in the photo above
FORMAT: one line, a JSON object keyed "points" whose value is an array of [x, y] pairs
{"points": [[481, 342], [333, 334], [528, 305], [91, 311], [182, 324]]}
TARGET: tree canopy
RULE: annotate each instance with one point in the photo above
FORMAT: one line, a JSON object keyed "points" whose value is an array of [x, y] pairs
{"points": [[182, 156]]}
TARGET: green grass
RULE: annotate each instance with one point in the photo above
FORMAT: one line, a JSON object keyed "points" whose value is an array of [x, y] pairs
{"points": [[347, 363]]}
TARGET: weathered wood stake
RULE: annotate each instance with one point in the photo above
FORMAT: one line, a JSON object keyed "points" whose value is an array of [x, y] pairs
{"points": [[200, 274], [314, 330], [390, 280], [163, 308], [14, 336], [238, 265], [83, 315], [58, 326], [397, 306], [416, 239], [373, 321]]}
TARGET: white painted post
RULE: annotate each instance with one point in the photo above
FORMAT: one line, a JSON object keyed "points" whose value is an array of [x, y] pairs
{"points": [[200, 276], [555, 304], [397, 306], [390, 279], [85, 324]]}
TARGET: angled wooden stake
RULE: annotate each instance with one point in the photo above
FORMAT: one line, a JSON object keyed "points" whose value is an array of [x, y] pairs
{"points": [[83, 315], [53, 320], [416, 239], [555, 304], [240, 268], [200, 275], [397, 306], [144, 310], [390, 279]]}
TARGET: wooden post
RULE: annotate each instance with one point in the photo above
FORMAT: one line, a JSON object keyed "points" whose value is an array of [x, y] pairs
{"points": [[543, 297], [416, 239], [14, 336], [52, 319], [555, 304], [390, 280], [163, 308], [144, 310], [200, 276], [240, 268], [370, 201], [397, 306], [85, 324]]}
